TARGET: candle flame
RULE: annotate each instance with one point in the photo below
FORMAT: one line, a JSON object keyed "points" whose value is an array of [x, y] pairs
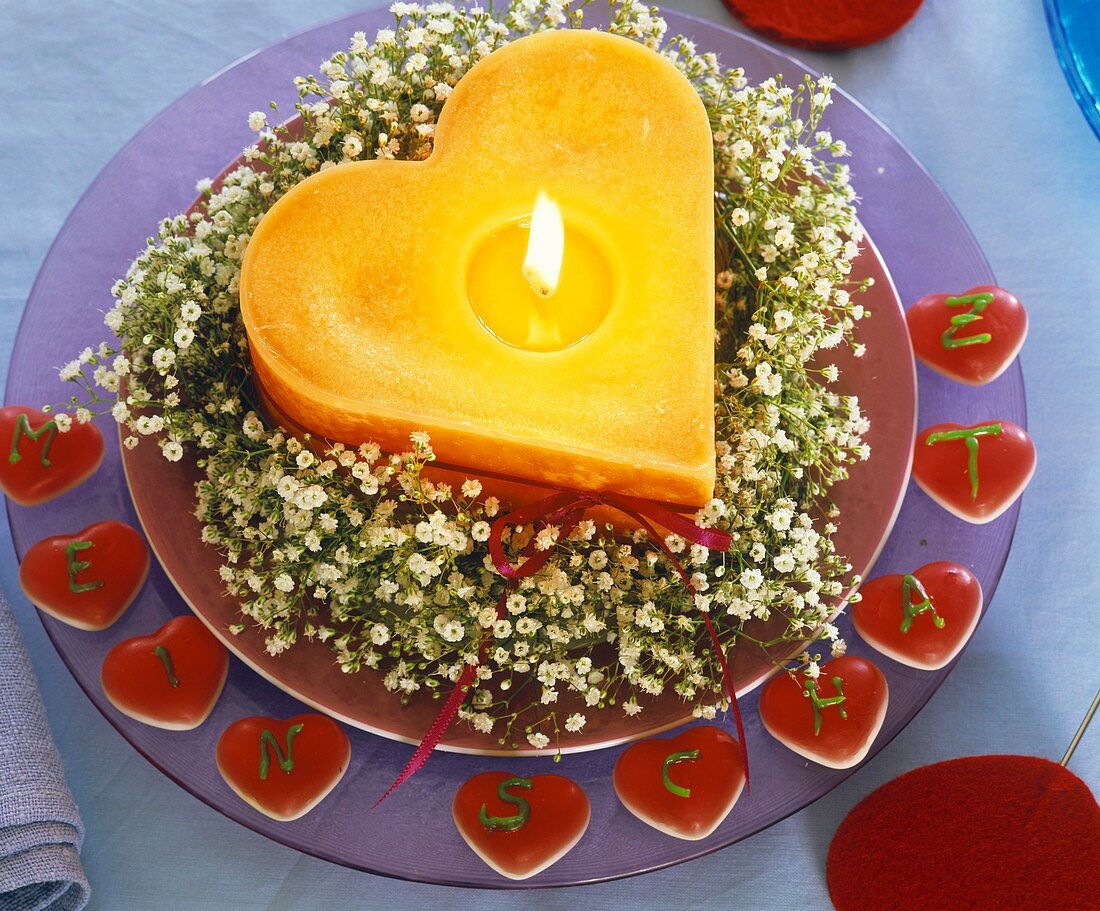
{"points": [[545, 247]]}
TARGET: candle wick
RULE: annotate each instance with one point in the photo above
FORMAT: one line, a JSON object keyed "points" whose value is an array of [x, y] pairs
{"points": [[538, 284]]}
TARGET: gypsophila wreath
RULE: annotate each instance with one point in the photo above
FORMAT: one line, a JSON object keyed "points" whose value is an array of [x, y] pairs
{"points": [[356, 548]]}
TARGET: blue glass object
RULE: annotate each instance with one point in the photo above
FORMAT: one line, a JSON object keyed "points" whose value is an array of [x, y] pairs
{"points": [[1075, 31]]}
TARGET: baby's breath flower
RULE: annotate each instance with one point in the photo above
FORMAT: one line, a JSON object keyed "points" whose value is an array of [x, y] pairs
{"points": [[389, 565], [575, 722]]}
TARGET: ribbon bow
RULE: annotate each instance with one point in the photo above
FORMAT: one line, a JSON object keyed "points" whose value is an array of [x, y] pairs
{"points": [[565, 510]]}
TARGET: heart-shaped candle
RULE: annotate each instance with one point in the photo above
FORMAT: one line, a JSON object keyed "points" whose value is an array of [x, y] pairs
{"points": [[570, 344], [170, 679], [283, 768], [685, 785], [974, 472], [922, 619], [832, 720], [40, 462], [970, 337], [88, 579], [520, 826]]}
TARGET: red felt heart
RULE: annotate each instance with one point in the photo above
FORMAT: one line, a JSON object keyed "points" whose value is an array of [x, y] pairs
{"points": [[170, 679], [824, 25], [559, 814], [41, 463], [970, 337], [713, 779], [88, 579], [975, 482], [841, 742], [283, 768], [932, 637], [981, 833]]}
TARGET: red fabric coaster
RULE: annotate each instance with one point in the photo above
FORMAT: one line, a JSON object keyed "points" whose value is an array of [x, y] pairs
{"points": [[971, 834], [824, 25]]}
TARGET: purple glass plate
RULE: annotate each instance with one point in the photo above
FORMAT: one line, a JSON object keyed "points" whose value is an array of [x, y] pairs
{"points": [[922, 239]]}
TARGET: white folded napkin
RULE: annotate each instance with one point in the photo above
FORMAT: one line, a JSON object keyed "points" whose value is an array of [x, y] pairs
{"points": [[40, 826]]}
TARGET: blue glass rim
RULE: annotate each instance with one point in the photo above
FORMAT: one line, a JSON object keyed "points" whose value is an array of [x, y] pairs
{"points": [[1082, 93]]}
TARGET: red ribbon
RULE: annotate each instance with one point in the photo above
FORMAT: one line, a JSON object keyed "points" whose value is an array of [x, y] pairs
{"points": [[565, 510], [436, 731]]}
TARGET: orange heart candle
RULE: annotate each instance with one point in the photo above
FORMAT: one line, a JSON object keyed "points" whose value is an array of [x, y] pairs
{"points": [[572, 345]]}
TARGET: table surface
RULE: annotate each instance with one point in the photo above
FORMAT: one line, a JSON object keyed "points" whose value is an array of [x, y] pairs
{"points": [[973, 89]]}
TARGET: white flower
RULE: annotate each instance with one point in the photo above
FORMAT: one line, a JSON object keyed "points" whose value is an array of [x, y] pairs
{"points": [[257, 120], [63, 422], [171, 450], [575, 722], [538, 740], [352, 147], [284, 583], [183, 337], [471, 488], [741, 149], [752, 579], [190, 311], [147, 425], [163, 359]]}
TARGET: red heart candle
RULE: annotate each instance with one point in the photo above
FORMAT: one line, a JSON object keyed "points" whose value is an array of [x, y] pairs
{"points": [[944, 604], [684, 786], [970, 337], [170, 679], [88, 579], [520, 826], [832, 720], [974, 472], [40, 462], [283, 768]]}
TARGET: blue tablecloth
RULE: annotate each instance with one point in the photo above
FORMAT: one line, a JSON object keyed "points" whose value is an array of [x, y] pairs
{"points": [[972, 88]]}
